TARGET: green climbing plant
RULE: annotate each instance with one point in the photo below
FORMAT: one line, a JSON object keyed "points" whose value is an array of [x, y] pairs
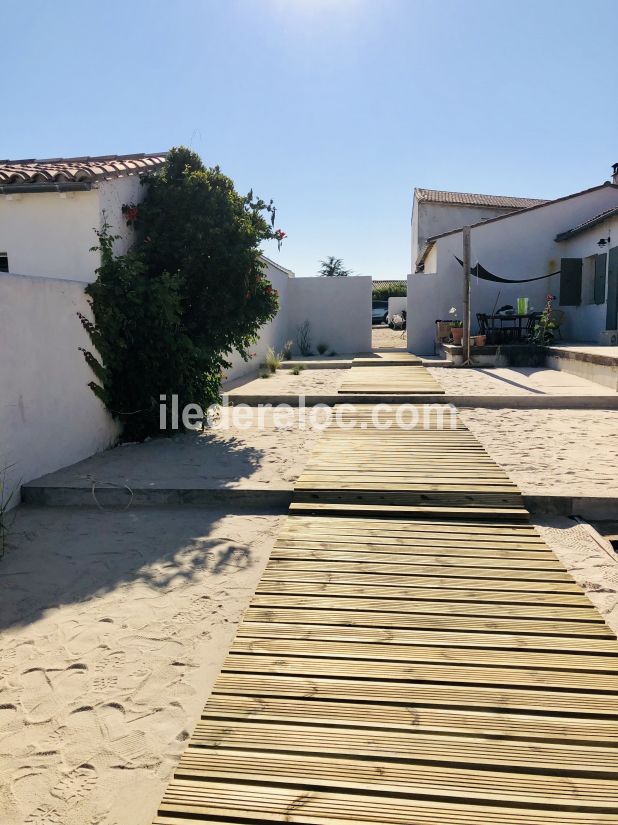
{"points": [[168, 313]]}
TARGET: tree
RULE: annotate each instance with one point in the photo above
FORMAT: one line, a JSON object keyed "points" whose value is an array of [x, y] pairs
{"points": [[333, 267], [168, 313]]}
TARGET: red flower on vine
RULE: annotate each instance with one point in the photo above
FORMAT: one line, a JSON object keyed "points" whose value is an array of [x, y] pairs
{"points": [[279, 236], [131, 213]]}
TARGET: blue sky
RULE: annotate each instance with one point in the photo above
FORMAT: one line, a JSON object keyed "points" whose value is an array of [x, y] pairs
{"points": [[334, 108]]}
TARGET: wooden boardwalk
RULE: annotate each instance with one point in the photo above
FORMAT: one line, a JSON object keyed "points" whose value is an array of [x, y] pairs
{"points": [[425, 662], [389, 374]]}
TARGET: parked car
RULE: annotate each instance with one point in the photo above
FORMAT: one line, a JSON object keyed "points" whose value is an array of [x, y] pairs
{"points": [[379, 312]]}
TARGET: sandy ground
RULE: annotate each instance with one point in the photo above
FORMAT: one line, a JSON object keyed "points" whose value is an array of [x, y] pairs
{"points": [[114, 627], [284, 382], [387, 337], [239, 457], [558, 452], [593, 568], [520, 381]]}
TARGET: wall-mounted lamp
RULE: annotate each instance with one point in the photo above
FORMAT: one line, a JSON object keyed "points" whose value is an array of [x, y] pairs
{"points": [[603, 241]]}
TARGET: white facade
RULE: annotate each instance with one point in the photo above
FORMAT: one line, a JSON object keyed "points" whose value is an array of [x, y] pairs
{"points": [[430, 218], [517, 246], [51, 234], [587, 321], [49, 416]]}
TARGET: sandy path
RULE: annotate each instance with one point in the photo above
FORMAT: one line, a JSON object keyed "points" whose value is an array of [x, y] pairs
{"points": [[244, 456], [558, 452], [114, 627], [284, 382]]}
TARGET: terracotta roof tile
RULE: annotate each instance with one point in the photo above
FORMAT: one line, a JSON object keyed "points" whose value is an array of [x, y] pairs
{"points": [[75, 170], [470, 199]]}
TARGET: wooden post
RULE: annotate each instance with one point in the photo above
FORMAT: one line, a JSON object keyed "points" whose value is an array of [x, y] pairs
{"points": [[465, 341]]}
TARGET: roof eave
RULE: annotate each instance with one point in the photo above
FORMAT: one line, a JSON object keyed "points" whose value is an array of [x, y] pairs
{"points": [[420, 261], [40, 188]]}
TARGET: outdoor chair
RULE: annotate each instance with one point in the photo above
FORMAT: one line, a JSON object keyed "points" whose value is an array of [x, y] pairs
{"points": [[481, 319]]}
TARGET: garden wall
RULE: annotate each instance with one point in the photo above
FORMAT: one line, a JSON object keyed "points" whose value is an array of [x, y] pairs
{"points": [[273, 334], [338, 309], [49, 417]]}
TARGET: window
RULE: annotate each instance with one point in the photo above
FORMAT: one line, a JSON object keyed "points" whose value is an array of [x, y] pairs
{"points": [[4, 262]]}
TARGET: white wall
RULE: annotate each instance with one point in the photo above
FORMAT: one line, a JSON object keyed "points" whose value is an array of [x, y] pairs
{"points": [[49, 417], [113, 195], [519, 246], [396, 305], [273, 334], [338, 309], [429, 219], [51, 234]]}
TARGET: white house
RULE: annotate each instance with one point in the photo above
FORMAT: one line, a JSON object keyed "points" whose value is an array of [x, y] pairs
{"points": [[435, 212], [49, 210], [558, 236]]}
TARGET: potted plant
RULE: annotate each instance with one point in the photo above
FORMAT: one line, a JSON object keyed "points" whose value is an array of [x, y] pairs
{"points": [[481, 340], [456, 327]]}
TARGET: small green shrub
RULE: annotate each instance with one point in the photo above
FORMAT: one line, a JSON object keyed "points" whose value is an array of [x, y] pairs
{"points": [[5, 501], [272, 362], [322, 348], [296, 371], [303, 338], [265, 374], [286, 351]]}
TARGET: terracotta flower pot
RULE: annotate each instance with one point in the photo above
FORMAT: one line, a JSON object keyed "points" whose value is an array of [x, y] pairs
{"points": [[457, 333], [481, 340]]}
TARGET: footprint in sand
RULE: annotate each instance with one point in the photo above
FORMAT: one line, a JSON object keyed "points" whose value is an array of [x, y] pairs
{"points": [[71, 790]]}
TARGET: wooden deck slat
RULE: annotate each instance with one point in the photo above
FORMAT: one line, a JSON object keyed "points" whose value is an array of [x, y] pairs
{"points": [[563, 704], [348, 775], [414, 653], [356, 617], [420, 747], [411, 717], [423, 671]]}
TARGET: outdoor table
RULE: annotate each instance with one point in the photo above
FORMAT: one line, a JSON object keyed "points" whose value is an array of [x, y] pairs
{"points": [[515, 328]]}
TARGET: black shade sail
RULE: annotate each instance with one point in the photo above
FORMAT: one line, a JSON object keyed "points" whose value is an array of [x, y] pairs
{"points": [[485, 275]]}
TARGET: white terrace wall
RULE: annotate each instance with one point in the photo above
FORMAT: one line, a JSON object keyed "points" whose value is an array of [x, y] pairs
{"points": [[49, 417], [519, 246], [338, 309]]}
